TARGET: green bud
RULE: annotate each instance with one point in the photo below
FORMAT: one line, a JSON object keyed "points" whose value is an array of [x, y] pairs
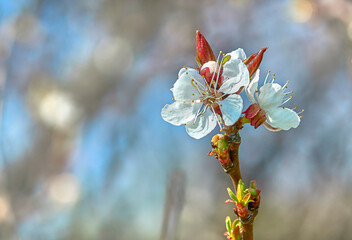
{"points": [[246, 198], [236, 223], [240, 190], [253, 184], [228, 224], [222, 143], [232, 195], [253, 192]]}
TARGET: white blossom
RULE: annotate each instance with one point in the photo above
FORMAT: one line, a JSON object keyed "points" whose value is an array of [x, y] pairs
{"points": [[270, 97], [201, 105]]}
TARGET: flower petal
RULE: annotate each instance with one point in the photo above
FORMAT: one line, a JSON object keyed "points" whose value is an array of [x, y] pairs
{"points": [[238, 54], [253, 86], [231, 108], [179, 113], [271, 95], [185, 69], [270, 128], [235, 75], [203, 125], [183, 89], [282, 118]]}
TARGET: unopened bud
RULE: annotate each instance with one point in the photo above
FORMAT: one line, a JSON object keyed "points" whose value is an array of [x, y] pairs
{"points": [[254, 60], [253, 184], [242, 211], [204, 51], [228, 224], [215, 140], [222, 144]]}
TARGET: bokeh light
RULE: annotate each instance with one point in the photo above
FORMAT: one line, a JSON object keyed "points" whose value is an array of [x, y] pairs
{"points": [[302, 10], [5, 210], [64, 189], [57, 109]]}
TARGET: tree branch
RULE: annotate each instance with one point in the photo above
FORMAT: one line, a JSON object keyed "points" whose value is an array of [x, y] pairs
{"points": [[235, 174]]}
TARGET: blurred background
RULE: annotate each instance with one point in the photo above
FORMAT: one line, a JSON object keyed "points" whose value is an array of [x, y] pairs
{"points": [[86, 155]]}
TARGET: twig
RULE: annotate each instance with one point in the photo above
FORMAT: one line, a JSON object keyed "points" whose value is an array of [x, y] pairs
{"points": [[235, 173]]}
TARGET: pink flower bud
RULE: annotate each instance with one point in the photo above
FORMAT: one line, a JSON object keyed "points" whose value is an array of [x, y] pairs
{"points": [[254, 60], [204, 51]]}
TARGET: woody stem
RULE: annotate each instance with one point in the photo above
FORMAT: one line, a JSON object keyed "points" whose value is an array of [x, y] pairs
{"points": [[235, 174]]}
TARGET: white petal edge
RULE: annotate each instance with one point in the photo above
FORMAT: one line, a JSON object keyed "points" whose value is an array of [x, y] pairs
{"points": [[270, 128], [283, 118], [185, 69], [179, 113], [253, 87], [238, 54], [202, 126], [235, 75], [231, 109], [183, 89]]}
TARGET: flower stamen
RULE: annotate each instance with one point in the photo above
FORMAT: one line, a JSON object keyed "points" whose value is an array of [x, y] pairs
{"points": [[206, 83], [285, 86], [195, 85], [267, 76], [212, 78], [301, 112], [218, 74], [286, 100], [217, 119]]}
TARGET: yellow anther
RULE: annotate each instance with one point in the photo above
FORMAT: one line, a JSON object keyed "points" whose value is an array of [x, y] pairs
{"points": [[173, 99], [221, 130], [193, 123], [283, 107]]}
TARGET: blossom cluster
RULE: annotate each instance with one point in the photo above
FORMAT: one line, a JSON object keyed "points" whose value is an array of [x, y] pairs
{"points": [[209, 95]]}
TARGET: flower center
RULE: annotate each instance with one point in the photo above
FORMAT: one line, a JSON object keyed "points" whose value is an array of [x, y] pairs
{"points": [[211, 102], [212, 72]]}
